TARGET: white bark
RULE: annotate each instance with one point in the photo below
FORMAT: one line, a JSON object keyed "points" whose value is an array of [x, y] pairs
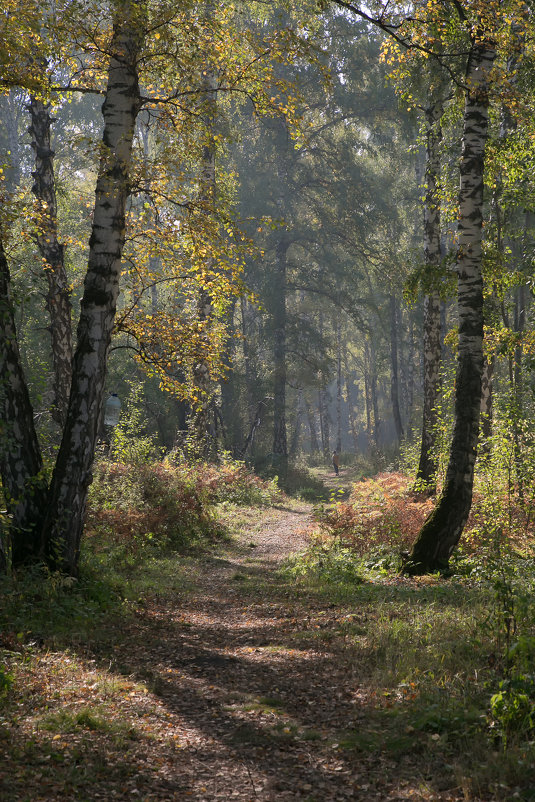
{"points": [[72, 474], [442, 530]]}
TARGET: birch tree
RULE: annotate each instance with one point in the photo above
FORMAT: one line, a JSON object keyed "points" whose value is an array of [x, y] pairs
{"points": [[442, 530]]}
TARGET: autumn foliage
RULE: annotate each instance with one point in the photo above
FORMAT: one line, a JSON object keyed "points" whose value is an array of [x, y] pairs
{"points": [[384, 513], [168, 505], [380, 512]]}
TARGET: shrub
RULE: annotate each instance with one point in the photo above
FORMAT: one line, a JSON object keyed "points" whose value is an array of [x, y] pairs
{"points": [[150, 505], [231, 481], [381, 513]]}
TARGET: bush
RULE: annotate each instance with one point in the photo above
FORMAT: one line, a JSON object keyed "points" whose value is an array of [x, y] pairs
{"points": [[150, 505], [382, 513], [231, 481]]}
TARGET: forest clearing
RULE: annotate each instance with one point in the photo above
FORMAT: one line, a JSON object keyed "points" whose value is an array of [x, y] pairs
{"points": [[267, 400]]}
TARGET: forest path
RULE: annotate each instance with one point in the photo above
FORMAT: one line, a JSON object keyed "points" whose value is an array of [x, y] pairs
{"points": [[226, 679], [259, 696]]}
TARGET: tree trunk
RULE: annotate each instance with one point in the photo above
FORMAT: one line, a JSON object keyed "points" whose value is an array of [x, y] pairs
{"points": [[20, 456], [394, 377], [249, 360], [368, 398], [338, 386], [350, 407], [52, 253], [294, 443], [203, 442], [373, 394], [314, 444], [280, 447], [229, 397], [442, 530], [427, 466], [409, 374], [323, 408], [72, 474]]}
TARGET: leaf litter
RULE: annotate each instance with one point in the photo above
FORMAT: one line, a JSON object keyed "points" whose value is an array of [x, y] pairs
{"points": [[240, 690]]}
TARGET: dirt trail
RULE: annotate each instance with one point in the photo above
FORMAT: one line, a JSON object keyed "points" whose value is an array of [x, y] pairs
{"points": [[256, 697], [241, 686]]}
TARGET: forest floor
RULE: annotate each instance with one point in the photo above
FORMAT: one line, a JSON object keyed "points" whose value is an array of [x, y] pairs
{"points": [[224, 682]]}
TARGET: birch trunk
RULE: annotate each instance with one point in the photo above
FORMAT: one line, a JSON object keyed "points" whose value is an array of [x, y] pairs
{"points": [[52, 253], [427, 466], [72, 474], [442, 530]]}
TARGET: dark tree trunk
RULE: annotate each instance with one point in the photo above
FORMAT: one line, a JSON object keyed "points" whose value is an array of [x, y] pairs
{"points": [[409, 374], [323, 409], [394, 377], [280, 447], [374, 401], [249, 362], [20, 456], [427, 467], [442, 530], [232, 415], [314, 443], [296, 434], [350, 405], [52, 252], [72, 474], [338, 386], [368, 398]]}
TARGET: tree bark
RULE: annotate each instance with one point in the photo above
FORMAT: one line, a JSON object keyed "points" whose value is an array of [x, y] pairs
{"points": [[20, 456], [350, 407], [338, 386], [314, 444], [280, 446], [442, 530], [296, 434], [374, 401], [323, 409], [52, 253], [229, 394], [394, 372], [72, 474], [427, 466]]}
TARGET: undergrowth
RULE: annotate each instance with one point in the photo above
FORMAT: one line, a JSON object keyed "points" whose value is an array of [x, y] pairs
{"points": [[466, 642]]}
